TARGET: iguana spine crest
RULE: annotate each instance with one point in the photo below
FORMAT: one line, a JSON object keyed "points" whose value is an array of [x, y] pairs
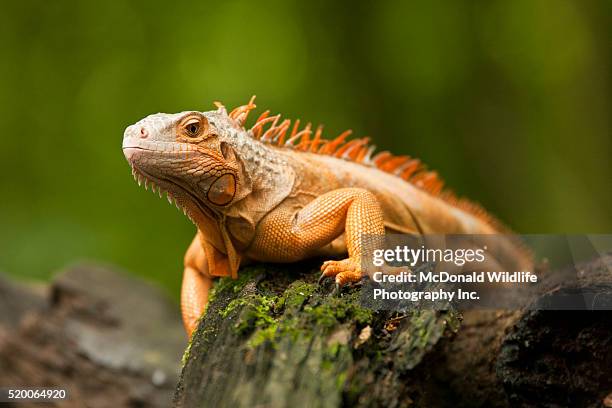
{"points": [[271, 130]]}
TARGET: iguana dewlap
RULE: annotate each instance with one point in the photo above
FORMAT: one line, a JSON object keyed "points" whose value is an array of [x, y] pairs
{"points": [[279, 193]]}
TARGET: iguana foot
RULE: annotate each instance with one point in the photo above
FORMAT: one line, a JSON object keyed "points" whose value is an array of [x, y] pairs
{"points": [[346, 271]]}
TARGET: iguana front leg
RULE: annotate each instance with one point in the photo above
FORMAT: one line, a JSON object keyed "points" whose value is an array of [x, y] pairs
{"points": [[196, 284], [287, 235]]}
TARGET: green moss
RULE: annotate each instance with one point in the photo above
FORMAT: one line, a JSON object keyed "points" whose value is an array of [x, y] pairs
{"points": [[263, 335], [196, 334], [295, 295], [424, 329], [256, 313], [340, 380], [233, 305], [334, 363], [268, 318], [453, 321], [424, 324], [333, 310], [285, 328], [235, 285], [429, 326], [193, 336], [187, 352]]}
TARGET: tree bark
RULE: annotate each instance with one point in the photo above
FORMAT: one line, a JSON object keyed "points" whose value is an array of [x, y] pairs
{"points": [[275, 338], [108, 339]]}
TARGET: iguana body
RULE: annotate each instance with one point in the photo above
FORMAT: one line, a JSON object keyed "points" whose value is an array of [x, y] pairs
{"points": [[279, 194]]}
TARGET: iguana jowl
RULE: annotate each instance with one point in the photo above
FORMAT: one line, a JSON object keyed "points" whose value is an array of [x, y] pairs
{"points": [[277, 193]]}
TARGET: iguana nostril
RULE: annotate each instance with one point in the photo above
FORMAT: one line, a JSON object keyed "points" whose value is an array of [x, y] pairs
{"points": [[144, 133]]}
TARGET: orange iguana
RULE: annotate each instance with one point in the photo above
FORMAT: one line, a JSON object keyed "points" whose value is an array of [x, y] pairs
{"points": [[280, 194]]}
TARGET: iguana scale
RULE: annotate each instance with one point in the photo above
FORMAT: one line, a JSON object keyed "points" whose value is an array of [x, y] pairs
{"points": [[278, 193]]}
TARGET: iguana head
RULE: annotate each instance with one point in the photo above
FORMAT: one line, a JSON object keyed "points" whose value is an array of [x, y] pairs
{"points": [[190, 156]]}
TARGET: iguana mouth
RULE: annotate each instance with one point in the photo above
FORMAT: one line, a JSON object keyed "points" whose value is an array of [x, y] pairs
{"points": [[157, 146], [131, 148]]}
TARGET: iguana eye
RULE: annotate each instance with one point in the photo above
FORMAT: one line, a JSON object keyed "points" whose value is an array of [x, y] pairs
{"points": [[192, 128]]}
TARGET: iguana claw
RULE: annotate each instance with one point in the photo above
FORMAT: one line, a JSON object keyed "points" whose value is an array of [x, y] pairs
{"points": [[321, 279]]}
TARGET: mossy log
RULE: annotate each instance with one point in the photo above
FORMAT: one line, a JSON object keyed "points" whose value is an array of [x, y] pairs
{"points": [[275, 338]]}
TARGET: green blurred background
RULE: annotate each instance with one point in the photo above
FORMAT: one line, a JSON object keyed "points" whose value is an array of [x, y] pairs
{"points": [[509, 100]]}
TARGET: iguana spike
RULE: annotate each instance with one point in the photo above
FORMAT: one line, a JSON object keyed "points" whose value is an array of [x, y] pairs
{"points": [[296, 126], [324, 144], [367, 158], [299, 135], [262, 116], [290, 142], [303, 145], [220, 107], [400, 169], [410, 168], [345, 147], [304, 136], [429, 181], [361, 154], [234, 113], [381, 157], [334, 144], [348, 147], [241, 113], [258, 127], [257, 131], [306, 132], [279, 139], [353, 152], [393, 163], [269, 134], [317, 138]]}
